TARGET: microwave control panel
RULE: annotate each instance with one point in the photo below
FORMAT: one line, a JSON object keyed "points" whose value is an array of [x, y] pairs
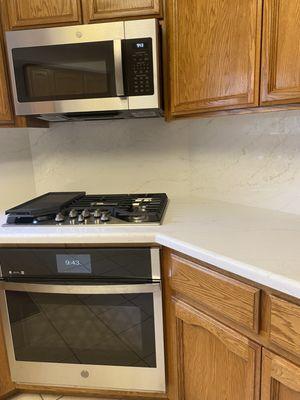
{"points": [[138, 67]]}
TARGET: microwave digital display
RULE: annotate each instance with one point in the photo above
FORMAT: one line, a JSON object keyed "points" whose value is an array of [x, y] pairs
{"points": [[74, 263], [140, 45]]}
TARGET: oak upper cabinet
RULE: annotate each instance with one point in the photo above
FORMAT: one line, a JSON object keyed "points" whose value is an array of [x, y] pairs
{"points": [[213, 361], [97, 10], [42, 13], [214, 54], [6, 116], [280, 378], [280, 82]]}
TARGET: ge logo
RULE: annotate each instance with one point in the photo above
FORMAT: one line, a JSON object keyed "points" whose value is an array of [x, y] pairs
{"points": [[85, 374]]}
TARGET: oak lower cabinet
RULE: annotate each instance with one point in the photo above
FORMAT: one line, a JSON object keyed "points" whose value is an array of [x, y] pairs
{"points": [[98, 10], [213, 361], [23, 14], [213, 55], [6, 385], [280, 378], [280, 79]]}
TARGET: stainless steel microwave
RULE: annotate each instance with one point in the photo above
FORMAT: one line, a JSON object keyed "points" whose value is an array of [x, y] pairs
{"points": [[108, 70]]}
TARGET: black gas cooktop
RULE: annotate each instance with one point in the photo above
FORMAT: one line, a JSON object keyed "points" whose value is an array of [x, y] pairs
{"points": [[78, 208]]}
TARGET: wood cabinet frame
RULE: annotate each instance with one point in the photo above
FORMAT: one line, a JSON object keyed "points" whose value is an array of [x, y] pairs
{"points": [[179, 108], [237, 344], [17, 21], [6, 116], [7, 387], [6, 111], [92, 14], [270, 94], [277, 371]]}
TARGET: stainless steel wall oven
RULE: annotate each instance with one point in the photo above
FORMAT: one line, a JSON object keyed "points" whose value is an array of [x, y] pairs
{"points": [[84, 317]]}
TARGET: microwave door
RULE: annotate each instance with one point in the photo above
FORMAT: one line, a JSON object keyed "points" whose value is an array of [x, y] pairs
{"points": [[67, 70]]}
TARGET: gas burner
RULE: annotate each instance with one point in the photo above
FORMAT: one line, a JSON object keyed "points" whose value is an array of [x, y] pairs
{"points": [[78, 208]]}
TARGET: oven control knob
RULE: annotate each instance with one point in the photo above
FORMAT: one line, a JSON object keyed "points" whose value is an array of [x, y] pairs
{"points": [[80, 218], [97, 213], [59, 217], [105, 216], [86, 213], [73, 213]]}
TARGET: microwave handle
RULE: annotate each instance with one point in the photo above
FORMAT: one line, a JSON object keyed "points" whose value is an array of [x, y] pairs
{"points": [[118, 68], [80, 289]]}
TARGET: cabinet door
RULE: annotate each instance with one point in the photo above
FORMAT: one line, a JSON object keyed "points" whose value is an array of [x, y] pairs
{"points": [[280, 378], [281, 52], [41, 13], [214, 54], [6, 385], [97, 10], [213, 361], [6, 115]]}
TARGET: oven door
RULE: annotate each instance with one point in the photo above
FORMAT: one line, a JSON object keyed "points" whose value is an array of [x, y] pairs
{"points": [[68, 69], [95, 336]]}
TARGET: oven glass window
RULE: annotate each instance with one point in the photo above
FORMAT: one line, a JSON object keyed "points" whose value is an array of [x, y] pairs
{"points": [[115, 330], [65, 72]]}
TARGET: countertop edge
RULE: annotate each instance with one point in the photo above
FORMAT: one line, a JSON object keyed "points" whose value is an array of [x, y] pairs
{"points": [[254, 273], [247, 271]]}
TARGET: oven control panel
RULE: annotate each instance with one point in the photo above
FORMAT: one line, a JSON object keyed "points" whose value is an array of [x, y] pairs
{"points": [[138, 67], [107, 264]]}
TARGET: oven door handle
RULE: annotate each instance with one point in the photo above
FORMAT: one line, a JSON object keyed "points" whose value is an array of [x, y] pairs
{"points": [[80, 289], [118, 68]]}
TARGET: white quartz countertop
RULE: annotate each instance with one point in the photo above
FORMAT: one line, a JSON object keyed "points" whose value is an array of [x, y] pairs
{"points": [[258, 244]]}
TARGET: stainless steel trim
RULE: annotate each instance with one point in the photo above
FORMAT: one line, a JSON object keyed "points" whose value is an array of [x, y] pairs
{"points": [[81, 289], [1, 274], [66, 106], [65, 35], [118, 67], [155, 263], [100, 376]]}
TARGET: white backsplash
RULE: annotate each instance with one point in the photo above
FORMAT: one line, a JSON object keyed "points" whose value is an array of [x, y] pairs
{"points": [[16, 170], [251, 159], [248, 159], [112, 157]]}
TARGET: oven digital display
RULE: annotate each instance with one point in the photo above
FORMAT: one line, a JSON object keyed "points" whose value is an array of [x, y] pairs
{"points": [[74, 263]]}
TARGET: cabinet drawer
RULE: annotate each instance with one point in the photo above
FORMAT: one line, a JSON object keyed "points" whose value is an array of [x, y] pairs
{"points": [[233, 299], [285, 324]]}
